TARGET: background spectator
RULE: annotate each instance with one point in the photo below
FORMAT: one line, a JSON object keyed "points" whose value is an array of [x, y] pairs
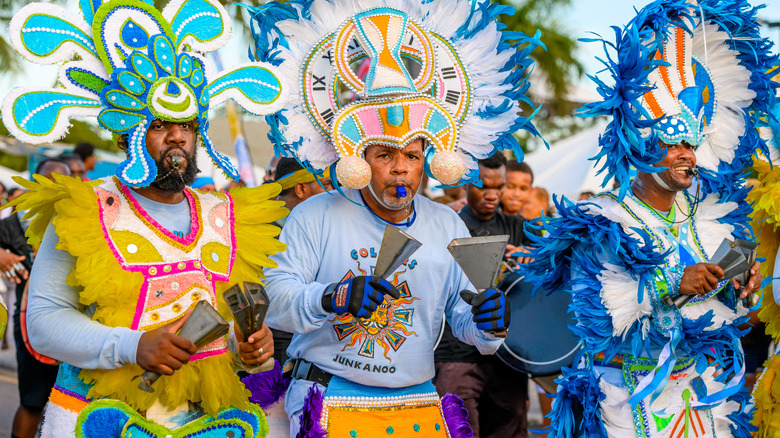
{"points": [[75, 164], [538, 204], [519, 180], [204, 184], [87, 154]]}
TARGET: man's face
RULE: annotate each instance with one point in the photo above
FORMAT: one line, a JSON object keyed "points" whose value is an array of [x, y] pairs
{"points": [[166, 140], [90, 162], [314, 187], [392, 168], [516, 192], [535, 206], [53, 167], [483, 201], [77, 168], [679, 158]]}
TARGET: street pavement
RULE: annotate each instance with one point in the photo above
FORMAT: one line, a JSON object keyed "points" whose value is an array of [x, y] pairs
{"points": [[9, 400], [9, 395]]}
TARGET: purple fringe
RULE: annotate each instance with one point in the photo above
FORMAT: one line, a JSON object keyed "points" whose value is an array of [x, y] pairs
{"points": [[310, 417], [456, 416], [267, 387]]}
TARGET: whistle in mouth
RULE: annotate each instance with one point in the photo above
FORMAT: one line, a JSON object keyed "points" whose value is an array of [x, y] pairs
{"points": [[400, 192], [176, 161]]}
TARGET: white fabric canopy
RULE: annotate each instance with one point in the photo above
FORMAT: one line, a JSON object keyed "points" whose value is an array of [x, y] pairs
{"points": [[566, 168]]}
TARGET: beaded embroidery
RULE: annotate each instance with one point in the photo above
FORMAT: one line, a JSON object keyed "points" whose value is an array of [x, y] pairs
{"points": [[178, 271], [128, 64]]}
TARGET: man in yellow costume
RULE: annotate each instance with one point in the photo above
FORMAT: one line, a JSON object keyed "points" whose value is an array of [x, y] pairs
{"points": [[765, 218], [124, 260]]}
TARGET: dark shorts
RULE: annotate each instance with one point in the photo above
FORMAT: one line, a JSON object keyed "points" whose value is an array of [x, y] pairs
{"points": [[493, 394], [36, 379]]}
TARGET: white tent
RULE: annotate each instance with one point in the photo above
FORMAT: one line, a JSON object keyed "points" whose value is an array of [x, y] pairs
{"points": [[566, 168]]}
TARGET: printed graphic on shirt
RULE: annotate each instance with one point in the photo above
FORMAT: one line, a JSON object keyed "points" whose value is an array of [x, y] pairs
{"points": [[388, 327]]}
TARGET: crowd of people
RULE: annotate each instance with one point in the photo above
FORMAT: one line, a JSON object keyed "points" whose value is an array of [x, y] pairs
{"points": [[148, 303]]}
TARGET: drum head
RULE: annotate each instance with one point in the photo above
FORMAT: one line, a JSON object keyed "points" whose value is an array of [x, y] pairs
{"points": [[539, 341]]}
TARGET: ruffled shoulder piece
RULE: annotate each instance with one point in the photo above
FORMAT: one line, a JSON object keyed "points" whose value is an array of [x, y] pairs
{"points": [[766, 219], [255, 212], [592, 222], [41, 197], [574, 244]]}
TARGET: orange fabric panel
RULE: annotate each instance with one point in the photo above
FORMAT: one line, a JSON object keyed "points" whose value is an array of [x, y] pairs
{"points": [[397, 422], [681, 56], [66, 401]]}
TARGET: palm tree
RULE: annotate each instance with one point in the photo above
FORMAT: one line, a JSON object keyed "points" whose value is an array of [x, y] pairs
{"points": [[9, 59], [558, 65]]}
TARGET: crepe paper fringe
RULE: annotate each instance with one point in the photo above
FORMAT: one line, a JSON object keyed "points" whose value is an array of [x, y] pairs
{"points": [[456, 416], [267, 387], [310, 416]]}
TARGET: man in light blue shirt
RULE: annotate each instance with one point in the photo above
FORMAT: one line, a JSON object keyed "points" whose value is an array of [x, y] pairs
{"points": [[362, 335]]}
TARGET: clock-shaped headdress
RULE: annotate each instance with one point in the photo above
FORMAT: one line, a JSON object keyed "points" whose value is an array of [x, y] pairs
{"points": [[392, 71]]}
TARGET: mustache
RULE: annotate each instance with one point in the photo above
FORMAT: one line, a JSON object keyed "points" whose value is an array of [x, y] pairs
{"points": [[398, 181], [174, 179], [165, 153]]}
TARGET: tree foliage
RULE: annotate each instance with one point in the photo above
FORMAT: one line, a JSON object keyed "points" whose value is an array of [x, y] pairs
{"points": [[558, 63]]}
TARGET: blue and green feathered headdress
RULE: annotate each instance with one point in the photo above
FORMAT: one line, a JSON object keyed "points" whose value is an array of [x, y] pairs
{"points": [[686, 71], [127, 64]]}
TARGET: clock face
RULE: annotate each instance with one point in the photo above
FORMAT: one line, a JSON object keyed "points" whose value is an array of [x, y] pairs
{"points": [[356, 61], [451, 86]]}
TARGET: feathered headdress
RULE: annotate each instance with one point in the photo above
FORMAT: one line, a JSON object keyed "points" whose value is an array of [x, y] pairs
{"points": [[686, 71], [133, 64], [389, 72]]}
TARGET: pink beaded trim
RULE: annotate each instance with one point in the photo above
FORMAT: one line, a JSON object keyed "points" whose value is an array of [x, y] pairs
{"points": [[185, 243], [205, 354]]}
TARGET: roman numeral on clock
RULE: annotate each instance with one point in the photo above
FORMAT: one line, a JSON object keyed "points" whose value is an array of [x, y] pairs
{"points": [[327, 115], [452, 97], [318, 83], [448, 73]]}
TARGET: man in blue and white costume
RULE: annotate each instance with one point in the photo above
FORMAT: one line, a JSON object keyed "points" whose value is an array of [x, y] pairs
{"points": [[383, 91], [685, 101]]}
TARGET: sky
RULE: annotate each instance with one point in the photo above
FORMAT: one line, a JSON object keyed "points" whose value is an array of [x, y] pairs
{"points": [[582, 17], [585, 16]]}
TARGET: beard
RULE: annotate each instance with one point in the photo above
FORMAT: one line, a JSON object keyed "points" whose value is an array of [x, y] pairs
{"points": [[175, 180]]}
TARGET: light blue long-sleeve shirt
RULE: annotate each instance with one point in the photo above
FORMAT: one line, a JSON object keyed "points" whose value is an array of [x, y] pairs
{"points": [[329, 239], [56, 324]]}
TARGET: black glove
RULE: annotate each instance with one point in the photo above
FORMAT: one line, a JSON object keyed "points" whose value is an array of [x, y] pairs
{"points": [[358, 296], [490, 308]]}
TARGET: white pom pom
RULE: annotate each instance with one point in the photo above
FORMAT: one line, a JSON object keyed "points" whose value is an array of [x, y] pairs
{"points": [[447, 167], [353, 172]]}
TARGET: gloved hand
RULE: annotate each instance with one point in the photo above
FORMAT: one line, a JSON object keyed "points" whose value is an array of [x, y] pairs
{"points": [[358, 296], [490, 308]]}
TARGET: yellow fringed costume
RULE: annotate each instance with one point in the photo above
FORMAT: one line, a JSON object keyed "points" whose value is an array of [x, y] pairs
{"points": [[137, 274], [766, 221]]}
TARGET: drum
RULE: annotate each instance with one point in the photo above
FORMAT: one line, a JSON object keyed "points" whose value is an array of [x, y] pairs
{"points": [[539, 341]]}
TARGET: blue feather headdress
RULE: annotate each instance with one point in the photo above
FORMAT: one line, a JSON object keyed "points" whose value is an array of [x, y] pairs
{"points": [[686, 71], [471, 94], [134, 64]]}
